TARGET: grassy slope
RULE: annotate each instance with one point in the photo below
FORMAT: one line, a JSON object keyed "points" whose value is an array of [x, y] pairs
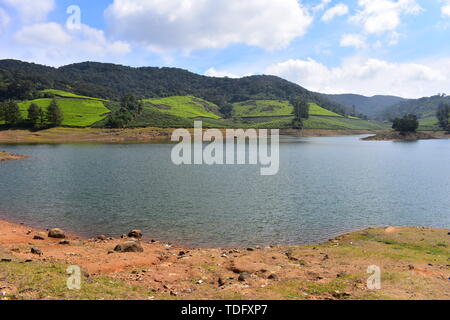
{"points": [[77, 112], [267, 108], [65, 94], [184, 107]]}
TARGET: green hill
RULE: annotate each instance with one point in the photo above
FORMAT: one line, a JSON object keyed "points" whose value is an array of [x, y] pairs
{"points": [[184, 107], [269, 108], [77, 112], [65, 94]]}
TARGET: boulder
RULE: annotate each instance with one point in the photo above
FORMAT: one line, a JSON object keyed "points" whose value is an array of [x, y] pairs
{"points": [[56, 233], [137, 234], [39, 236], [244, 276], [129, 246], [102, 237]]}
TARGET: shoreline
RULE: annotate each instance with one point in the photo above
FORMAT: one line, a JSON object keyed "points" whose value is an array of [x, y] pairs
{"points": [[412, 136], [6, 156], [335, 269], [63, 135]]}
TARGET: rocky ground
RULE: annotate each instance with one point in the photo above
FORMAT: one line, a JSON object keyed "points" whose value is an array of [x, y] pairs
{"points": [[414, 262], [409, 136]]}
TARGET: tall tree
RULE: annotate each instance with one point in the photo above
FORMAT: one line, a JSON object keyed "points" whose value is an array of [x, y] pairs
{"points": [[11, 113], [301, 111], [442, 114], [408, 123], [54, 114], [34, 114]]}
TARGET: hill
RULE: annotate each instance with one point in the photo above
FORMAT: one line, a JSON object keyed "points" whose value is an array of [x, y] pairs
{"points": [[111, 82], [370, 106]]}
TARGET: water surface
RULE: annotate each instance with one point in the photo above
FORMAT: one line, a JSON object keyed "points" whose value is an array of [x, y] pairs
{"points": [[325, 187]]}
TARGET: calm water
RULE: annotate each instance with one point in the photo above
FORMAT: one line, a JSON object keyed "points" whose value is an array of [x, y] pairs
{"points": [[325, 187]]}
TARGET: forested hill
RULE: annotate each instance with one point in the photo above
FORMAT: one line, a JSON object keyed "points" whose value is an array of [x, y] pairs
{"points": [[423, 107], [110, 81], [374, 107]]}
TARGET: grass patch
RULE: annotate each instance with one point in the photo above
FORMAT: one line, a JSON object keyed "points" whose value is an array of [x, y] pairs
{"points": [[65, 94], [77, 113], [184, 107]]}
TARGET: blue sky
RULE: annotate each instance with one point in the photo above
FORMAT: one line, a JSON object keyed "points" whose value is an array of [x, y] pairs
{"points": [[398, 47]]}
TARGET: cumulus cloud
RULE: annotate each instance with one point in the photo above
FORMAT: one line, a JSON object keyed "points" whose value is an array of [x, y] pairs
{"points": [[4, 20], [321, 6], [338, 10], [31, 11], [353, 40], [380, 16], [52, 44], [445, 9], [213, 72], [368, 76], [189, 25]]}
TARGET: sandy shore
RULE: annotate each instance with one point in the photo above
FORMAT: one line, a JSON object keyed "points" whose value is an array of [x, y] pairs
{"points": [[141, 135], [415, 264], [6, 156]]}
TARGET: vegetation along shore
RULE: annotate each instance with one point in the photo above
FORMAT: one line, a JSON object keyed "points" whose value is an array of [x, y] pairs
{"points": [[414, 263]]}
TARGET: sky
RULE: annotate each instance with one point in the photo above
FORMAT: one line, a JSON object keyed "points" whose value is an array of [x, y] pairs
{"points": [[369, 47]]}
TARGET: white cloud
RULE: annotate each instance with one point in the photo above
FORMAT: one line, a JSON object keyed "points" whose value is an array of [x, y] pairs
{"points": [[31, 11], [53, 44], [321, 6], [338, 10], [445, 9], [353, 40], [213, 72], [189, 25], [380, 16], [368, 76], [4, 20]]}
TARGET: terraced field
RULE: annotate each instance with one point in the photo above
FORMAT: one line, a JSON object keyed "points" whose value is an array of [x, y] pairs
{"points": [[184, 107], [77, 112], [271, 108]]}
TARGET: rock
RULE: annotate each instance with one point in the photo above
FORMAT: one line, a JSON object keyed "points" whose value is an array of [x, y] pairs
{"points": [[64, 242], [199, 281], [181, 253], [244, 276], [129, 246], [410, 267], [111, 251], [137, 234], [56, 233], [6, 260], [28, 260], [36, 251], [250, 249], [273, 277], [102, 237], [221, 282], [39, 236], [341, 295]]}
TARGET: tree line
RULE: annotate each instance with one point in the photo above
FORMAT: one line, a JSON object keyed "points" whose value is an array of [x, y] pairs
{"points": [[36, 116]]}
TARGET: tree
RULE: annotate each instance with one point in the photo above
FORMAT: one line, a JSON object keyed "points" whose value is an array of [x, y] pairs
{"points": [[54, 114], [408, 123], [11, 113], [227, 110], [442, 114], [131, 103], [35, 115], [301, 111]]}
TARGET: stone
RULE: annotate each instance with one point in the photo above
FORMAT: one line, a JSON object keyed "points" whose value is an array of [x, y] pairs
{"points": [[56, 233], [137, 234], [221, 282], [102, 237], [273, 277], [6, 260], [39, 236], [65, 242], [244, 276], [129, 246], [36, 251]]}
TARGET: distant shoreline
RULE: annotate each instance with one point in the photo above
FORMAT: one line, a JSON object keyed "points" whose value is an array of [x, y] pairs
{"points": [[139, 135], [6, 156], [411, 136]]}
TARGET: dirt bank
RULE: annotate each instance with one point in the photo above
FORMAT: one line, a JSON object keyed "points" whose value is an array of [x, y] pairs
{"points": [[6, 156], [410, 136], [141, 135], [414, 262]]}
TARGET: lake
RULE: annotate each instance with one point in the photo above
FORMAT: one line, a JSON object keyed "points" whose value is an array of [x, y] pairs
{"points": [[325, 187]]}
